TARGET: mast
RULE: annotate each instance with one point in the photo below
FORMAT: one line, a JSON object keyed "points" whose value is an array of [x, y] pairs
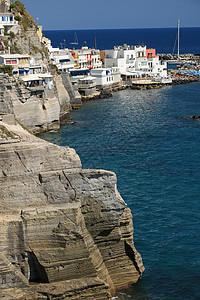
{"points": [[95, 43], [178, 37], [75, 40]]}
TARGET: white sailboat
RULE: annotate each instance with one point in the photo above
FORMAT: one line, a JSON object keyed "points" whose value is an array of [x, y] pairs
{"points": [[177, 61], [75, 40]]}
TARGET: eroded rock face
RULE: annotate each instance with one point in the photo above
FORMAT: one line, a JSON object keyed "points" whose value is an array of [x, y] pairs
{"points": [[48, 105], [62, 227]]}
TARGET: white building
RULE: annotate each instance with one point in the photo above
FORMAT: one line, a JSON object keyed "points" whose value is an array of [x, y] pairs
{"points": [[31, 74], [62, 58], [106, 76], [7, 20], [157, 68], [19, 62], [135, 61], [120, 57]]}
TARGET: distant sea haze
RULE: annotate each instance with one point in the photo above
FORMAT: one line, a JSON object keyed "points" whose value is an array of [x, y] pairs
{"points": [[163, 39]]}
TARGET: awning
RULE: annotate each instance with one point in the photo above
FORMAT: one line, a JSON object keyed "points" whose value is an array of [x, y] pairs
{"points": [[32, 77], [79, 71]]}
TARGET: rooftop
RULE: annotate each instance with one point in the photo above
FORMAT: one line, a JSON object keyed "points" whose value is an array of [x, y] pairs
{"points": [[15, 55]]}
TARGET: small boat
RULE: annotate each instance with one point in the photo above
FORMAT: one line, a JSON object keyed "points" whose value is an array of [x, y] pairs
{"points": [[75, 40]]}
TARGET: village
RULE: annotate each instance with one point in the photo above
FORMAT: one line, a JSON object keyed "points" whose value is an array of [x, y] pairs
{"points": [[90, 71]]}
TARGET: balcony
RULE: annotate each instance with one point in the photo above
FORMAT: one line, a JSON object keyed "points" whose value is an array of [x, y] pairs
{"points": [[130, 61], [9, 23]]}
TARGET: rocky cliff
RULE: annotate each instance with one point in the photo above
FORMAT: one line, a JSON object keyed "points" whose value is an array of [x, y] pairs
{"points": [[23, 38], [65, 232], [38, 108]]}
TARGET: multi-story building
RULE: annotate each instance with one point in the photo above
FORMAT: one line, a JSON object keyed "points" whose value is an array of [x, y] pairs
{"points": [[87, 58], [120, 57], [7, 20], [25, 68], [19, 62], [156, 67], [62, 58], [135, 61]]}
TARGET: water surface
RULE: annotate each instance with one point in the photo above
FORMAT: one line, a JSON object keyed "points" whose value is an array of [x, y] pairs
{"points": [[150, 141]]}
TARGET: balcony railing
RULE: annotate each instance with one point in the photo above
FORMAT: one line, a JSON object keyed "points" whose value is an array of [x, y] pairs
{"points": [[8, 22]]}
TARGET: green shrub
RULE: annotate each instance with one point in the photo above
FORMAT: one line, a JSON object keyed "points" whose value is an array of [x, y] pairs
{"points": [[13, 6], [17, 18], [6, 70], [18, 6], [12, 35], [53, 67]]}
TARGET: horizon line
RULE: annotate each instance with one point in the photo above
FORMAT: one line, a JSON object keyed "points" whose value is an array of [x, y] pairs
{"points": [[120, 28]]}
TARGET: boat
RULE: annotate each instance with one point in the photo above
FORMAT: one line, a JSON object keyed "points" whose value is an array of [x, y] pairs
{"points": [[177, 61], [75, 40]]}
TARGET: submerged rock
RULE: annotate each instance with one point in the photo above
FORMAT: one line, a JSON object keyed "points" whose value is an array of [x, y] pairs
{"points": [[196, 117], [63, 228]]}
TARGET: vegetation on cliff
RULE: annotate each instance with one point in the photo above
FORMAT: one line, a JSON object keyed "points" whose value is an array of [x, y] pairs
{"points": [[22, 16], [6, 70], [23, 38]]}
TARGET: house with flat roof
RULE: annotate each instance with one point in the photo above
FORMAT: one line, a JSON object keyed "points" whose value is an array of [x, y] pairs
{"points": [[7, 20], [106, 77], [19, 62]]}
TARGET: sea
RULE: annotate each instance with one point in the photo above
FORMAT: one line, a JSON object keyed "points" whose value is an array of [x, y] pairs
{"points": [[150, 141], [163, 39]]}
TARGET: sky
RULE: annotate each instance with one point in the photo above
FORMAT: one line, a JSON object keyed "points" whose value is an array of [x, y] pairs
{"points": [[113, 14]]}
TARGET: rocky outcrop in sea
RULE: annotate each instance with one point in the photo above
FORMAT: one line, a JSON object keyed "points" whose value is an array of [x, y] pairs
{"points": [[65, 232]]}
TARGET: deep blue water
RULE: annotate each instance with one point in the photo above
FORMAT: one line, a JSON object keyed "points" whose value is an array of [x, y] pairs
{"points": [[161, 39], [150, 141]]}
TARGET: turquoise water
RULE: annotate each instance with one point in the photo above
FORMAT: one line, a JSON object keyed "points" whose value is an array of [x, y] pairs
{"points": [[150, 141]]}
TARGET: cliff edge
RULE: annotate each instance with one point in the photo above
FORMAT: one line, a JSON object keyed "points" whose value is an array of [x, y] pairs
{"points": [[66, 233]]}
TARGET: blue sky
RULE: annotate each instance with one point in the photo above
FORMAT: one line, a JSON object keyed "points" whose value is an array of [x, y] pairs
{"points": [[101, 14]]}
